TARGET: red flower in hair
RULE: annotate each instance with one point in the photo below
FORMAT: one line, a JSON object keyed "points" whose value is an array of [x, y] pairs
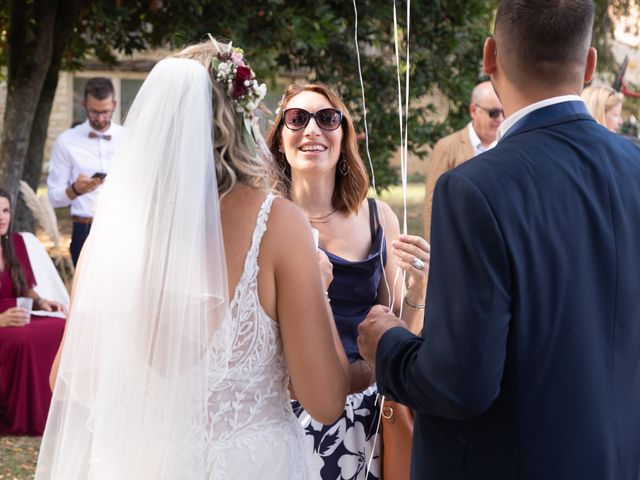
{"points": [[242, 74], [239, 89]]}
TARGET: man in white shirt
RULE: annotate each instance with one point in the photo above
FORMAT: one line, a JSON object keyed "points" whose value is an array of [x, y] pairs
{"points": [[486, 115], [81, 157]]}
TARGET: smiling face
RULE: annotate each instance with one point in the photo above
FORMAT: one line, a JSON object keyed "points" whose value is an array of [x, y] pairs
{"points": [[5, 215], [311, 149]]}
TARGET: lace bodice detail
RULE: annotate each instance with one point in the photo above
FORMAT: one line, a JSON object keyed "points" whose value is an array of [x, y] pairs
{"points": [[251, 405]]}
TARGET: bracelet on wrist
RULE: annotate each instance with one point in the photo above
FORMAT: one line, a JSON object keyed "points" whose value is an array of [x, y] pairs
{"points": [[73, 187], [414, 306]]}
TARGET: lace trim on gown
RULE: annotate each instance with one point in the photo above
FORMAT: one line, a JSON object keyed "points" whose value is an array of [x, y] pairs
{"points": [[253, 431]]}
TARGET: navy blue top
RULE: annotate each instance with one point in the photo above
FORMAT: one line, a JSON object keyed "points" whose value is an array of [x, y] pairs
{"points": [[354, 289]]}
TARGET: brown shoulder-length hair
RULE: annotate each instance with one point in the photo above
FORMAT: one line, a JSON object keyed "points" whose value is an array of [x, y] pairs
{"points": [[351, 189], [20, 286]]}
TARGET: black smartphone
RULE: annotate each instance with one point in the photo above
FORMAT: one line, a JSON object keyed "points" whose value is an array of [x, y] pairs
{"points": [[99, 175]]}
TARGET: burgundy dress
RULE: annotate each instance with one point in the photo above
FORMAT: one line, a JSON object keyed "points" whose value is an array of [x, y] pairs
{"points": [[26, 355]]}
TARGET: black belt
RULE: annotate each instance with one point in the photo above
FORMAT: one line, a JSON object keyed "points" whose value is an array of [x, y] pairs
{"points": [[83, 220]]}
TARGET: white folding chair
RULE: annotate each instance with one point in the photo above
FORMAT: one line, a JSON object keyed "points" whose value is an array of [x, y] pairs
{"points": [[49, 284]]}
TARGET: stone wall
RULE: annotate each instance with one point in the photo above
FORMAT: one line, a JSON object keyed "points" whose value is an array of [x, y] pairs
{"points": [[61, 113]]}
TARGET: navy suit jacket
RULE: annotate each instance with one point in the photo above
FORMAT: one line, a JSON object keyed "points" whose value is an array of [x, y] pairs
{"points": [[529, 365]]}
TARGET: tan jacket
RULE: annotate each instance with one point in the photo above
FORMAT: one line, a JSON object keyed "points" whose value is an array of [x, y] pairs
{"points": [[448, 153]]}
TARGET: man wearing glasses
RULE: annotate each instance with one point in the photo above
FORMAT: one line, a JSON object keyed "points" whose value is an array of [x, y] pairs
{"points": [[486, 114], [81, 157]]}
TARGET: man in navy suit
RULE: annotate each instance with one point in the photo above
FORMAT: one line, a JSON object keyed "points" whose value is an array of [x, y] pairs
{"points": [[529, 365]]}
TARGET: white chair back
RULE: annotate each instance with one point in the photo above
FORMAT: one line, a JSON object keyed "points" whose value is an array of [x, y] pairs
{"points": [[49, 284]]}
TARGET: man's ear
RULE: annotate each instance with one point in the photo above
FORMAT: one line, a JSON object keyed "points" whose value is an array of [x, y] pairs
{"points": [[590, 67], [472, 110], [489, 53]]}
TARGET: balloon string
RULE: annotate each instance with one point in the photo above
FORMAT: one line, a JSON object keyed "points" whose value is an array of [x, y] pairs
{"points": [[403, 114], [382, 219], [366, 138], [406, 125], [364, 103], [403, 162]]}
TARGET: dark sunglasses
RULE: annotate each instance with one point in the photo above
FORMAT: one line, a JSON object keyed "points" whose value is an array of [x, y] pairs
{"points": [[298, 118], [492, 112]]}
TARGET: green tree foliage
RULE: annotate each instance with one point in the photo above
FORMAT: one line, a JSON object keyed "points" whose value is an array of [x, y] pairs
{"points": [[279, 36], [606, 13], [319, 38], [39, 37]]}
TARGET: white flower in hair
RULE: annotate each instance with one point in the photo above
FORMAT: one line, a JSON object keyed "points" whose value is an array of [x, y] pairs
{"points": [[231, 69]]}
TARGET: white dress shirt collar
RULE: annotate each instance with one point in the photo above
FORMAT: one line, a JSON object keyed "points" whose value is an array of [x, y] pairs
{"points": [[87, 128], [476, 143], [512, 119]]}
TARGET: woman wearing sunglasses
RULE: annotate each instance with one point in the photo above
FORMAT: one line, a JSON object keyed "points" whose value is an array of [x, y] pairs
{"points": [[314, 145]]}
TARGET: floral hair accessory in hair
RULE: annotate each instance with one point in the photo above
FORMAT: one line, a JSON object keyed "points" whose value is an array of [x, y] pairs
{"points": [[231, 70], [242, 86]]}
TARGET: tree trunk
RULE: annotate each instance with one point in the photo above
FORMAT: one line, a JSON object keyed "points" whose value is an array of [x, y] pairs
{"points": [[30, 54], [32, 172], [33, 161]]}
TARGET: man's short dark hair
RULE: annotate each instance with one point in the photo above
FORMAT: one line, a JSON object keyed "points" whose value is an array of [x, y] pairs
{"points": [[543, 39], [99, 88]]}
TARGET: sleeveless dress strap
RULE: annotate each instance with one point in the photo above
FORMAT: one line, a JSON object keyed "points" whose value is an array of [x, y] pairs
{"points": [[251, 261], [373, 217]]}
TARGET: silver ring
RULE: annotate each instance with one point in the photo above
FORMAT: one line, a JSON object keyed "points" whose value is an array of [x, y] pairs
{"points": [[417, 263]]}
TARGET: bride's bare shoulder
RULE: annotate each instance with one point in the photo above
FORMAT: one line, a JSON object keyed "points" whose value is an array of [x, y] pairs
{"points": [[241, 198], [287, 221], [285, 218]]}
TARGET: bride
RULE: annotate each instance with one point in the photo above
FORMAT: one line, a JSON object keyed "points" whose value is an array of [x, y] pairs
{"points": [[198, 296]]}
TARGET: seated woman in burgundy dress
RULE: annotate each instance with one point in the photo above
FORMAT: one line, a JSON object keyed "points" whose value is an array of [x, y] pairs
{"points": [[28, 345]]}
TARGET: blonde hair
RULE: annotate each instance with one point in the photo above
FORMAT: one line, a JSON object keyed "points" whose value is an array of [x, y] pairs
{"points": [[599, 100], [351, 189], [235, 161]]}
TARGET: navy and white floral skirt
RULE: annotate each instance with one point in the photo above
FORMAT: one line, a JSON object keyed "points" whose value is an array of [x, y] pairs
{"points": [[349, 449]]}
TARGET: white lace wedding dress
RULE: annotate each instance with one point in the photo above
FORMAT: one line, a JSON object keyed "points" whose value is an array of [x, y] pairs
{"points": [[253, 431]]}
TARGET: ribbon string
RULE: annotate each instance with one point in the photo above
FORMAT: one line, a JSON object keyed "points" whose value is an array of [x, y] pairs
{"points": [[403, 114], [364, 102], [403, 117]]}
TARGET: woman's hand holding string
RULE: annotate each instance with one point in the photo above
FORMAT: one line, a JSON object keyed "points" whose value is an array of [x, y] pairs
{"points": [[412, 253]]}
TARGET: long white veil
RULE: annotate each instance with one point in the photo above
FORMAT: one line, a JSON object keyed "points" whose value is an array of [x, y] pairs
{"points": [[148, 336]]}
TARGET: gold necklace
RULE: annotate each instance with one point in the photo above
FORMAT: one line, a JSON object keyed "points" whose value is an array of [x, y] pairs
{"points": [[321, 218]]}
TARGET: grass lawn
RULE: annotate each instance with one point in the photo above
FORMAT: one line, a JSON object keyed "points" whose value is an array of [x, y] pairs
{"points": [[415, 200], [18, 455]]}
